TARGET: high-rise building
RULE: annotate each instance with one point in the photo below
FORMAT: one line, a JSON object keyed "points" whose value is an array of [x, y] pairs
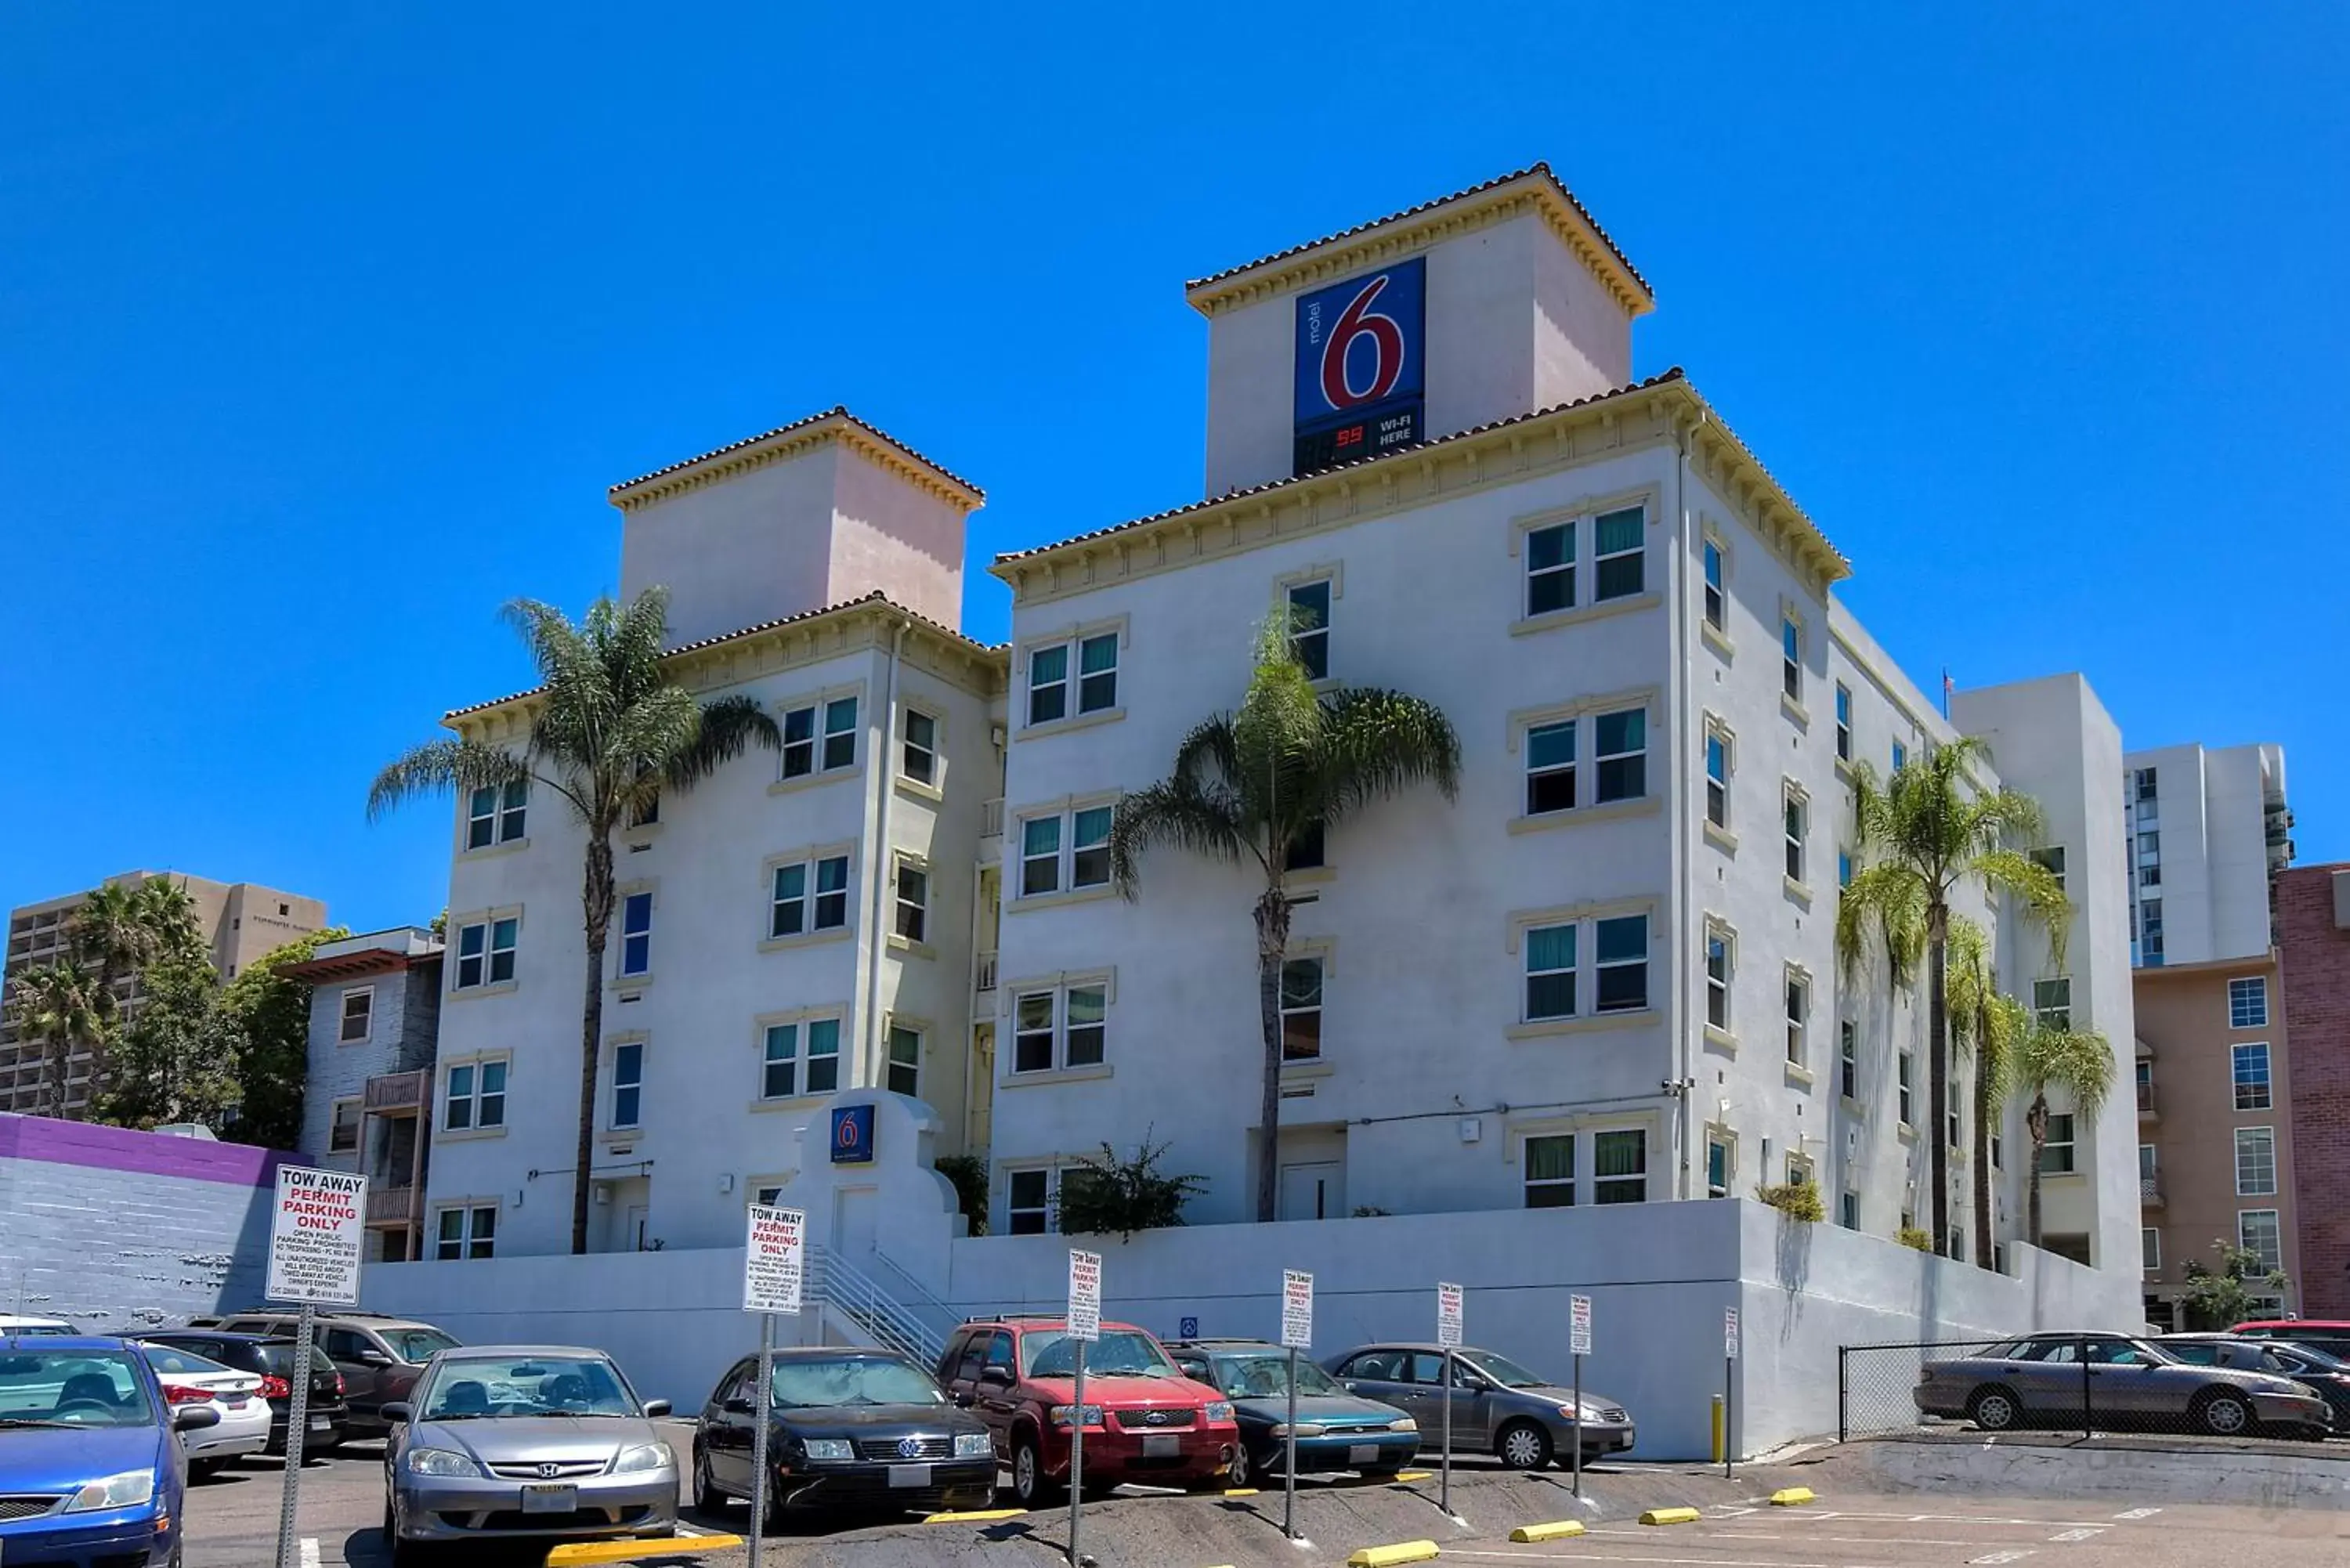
{"points": [[240, 921]]}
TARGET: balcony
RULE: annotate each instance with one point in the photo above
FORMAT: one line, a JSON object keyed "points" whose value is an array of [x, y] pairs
{"points": [[2147, 1109], [392, 1205], [984, 974], [398, 1093], [2149, 1192], [991, 818]]}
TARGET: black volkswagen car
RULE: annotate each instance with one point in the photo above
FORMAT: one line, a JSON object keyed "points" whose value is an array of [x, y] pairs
{"points": [[271, 1358], [851, 1431]]}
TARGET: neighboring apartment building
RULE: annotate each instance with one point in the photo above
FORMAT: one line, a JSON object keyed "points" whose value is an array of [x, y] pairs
{"points": [[375, 1010], [240, 920], [2313, 906], [2213, 1078]]}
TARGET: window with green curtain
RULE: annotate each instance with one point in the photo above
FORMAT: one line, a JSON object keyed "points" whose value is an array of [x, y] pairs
{"points": [[1550, 972], [1618, 554], [1097, 673], [1619, 1166], [1550, 1171]]}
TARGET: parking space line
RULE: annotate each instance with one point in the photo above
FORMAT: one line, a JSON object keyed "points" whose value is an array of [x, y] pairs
{"points": [[309, 1551], [1994, 1559], [1644, 1557], [2139, 1513], [2082, 1532], [1966, 1518]]}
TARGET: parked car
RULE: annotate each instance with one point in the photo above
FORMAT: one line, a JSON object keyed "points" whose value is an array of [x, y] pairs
{"points": [[272, 1360], [1144, 1420], [847, 1430], [31, 1326], [525, 1441], [1524, 1419], [1336, 1430], [90, 1453], [2128, 1382], [379, 1358], [2331, 1335], [235, 1396], [2329, 1375]]}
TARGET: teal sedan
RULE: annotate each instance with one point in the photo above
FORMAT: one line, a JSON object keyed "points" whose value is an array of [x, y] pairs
{"points": [[1336, 1430]]}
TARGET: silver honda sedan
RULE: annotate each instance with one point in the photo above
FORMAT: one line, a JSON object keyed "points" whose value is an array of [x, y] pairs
{"points": [[519, 1441]]}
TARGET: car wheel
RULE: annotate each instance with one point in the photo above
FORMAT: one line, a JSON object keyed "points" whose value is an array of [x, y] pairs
{"points": [[1029, 1486], [1242, 1470], [202, 1469], [1523, 1446], [707, 1498], [2224, 1414], [1994, 1410]]}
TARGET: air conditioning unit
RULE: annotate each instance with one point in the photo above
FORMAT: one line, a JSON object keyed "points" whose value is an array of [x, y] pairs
{"points": [[602, 1190]]}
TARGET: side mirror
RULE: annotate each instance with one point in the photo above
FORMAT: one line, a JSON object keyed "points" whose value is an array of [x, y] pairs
{"points": [[372, 1358], [656, 1408], [737, 1405], [962, 1400], [395, 1411], [995, 1377], [189, 1418]]}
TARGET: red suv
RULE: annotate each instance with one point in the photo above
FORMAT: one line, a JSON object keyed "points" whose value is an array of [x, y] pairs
{"points": [[1145, 1421]]}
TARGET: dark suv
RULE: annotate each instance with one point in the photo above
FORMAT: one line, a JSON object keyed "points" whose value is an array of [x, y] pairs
{"points": [[271, 1359], [1144, 1420], [379, 1358]]}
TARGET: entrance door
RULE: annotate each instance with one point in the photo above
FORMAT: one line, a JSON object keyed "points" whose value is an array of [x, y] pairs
{"points": [[852, 1223], [1315, 1191]]}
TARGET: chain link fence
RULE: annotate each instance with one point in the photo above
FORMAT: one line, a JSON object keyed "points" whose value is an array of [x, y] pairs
{"points": [[2080, 1382]]}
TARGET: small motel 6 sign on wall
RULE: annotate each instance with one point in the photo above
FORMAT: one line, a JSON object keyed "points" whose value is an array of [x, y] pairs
{"points": [[852, 1135]]}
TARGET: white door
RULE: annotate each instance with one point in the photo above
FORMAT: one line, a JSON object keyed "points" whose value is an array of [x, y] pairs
{"points": [[1315, 1191], [852, 1222], [632, 1232]]}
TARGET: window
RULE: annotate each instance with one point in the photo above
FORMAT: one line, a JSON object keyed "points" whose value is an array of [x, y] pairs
{"points": [[1048, 677], [1029, 1202], [359, 1016], [1799, 1170], [635, 934], [1070, 850], [919, 752], [1798, 827], [1619, 1166], [1848, 1210], [1843, 722], [496, 814], [2257, 1231], [2050, 860], [2149, 1246], [1844, 868], [1718, 1165], [793, 911], [1550, 972], [1550, 569], [485, 952], [805, 752], [1622, 738], [913, 900], [476, 1097], [468, 1230], [2247, 1004], [1550, 768], [1550, 1171], [2145, 782], [1900, 756], [903, 1072], [343, 1132], [628, 1085], [1717, 978], [783, 1075], [1309, 627], [1623, 945], [1848, 1059], [2252, 1075], [1791, 652], [1308, 851], [1061, 1028], [1717, 608], [1301, 1010], [1906, 1091], [1617, 554], [2052, 1003], [2256, 1172], [2148, 1165], [1717, 775], [646, 812], [2056, 1154], [1799, 1012], [2149, 920]]}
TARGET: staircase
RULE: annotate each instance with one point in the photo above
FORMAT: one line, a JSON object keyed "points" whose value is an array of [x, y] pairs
{"points": [[902, 1316]]}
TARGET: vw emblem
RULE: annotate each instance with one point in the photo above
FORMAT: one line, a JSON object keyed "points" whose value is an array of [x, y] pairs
{"points": [[910, 1448], [1156, 1418], [550, 1470]]}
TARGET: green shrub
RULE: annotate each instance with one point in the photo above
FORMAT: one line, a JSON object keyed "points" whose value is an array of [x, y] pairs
{"points": [[1912, 1236], [1110, 1196], [1795, 1200], [968, 1172]]}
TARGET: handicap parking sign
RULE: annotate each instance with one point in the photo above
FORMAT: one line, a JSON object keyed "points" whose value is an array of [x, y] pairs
{"points": [[1188, 1328]]}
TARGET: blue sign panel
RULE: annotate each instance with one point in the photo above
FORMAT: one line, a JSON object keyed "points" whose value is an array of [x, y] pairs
{"points": [[1189, 1329], [852, 1135], [1361, 367]]}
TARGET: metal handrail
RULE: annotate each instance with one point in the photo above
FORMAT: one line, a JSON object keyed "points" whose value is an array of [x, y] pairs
{"points": [[852, 1293]]}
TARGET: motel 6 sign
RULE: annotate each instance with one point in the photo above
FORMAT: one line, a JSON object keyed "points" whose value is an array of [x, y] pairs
{"points": [[1360, 365]]}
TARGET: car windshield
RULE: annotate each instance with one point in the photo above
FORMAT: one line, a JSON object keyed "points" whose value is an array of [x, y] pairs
{"points": [[417, 1343], [1267, 1376], [2319, 1360], [1120, 1352], [186, 1362], [1502, 1370], [277, 1357], [473, 1387], [27, 1329], [72, 1388], [852, 1380]]}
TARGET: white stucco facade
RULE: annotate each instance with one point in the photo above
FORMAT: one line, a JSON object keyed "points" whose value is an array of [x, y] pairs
{"points": [[2202, 853]]}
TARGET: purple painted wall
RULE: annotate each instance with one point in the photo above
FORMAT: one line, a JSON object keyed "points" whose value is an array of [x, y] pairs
{"points": [[119, 1149]]}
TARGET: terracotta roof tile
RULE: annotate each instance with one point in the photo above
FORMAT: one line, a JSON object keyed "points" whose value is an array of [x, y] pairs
{"points": [[838, 411]]}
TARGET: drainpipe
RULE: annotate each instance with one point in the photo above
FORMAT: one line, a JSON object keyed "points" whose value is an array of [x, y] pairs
{"points": [[878, 864], [1676, 1004]]}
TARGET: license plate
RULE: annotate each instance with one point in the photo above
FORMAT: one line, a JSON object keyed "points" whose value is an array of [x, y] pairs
{"points": [[321, 1424], [1363, 1454], [550, 1499], [910, 1475], [1161, 1445]]}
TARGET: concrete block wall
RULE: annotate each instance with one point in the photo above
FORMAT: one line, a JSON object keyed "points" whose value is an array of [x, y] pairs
{"points": [[2315, 957]]}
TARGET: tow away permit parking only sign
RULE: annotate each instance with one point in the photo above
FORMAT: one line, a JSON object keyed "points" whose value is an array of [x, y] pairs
{"points": [[314, 1236], [774, 1258]]}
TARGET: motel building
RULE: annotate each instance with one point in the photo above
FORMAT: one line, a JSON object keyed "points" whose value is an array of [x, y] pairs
{"points": [[1605, 974]]}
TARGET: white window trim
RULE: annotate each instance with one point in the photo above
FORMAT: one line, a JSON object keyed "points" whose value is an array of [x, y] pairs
{"points": [[1846, 1027], [649, 889], [499, 844], [2268, 1076], [1799, 1032], [818, 774], [1791, 703], [468, 1206], [2260, 979], [1070, 636], [923, 1031], [2236, 1151], [781, 1180], [1585, 712], [441, 1131], [2039, 1012], [2276, 1218], [901, 861], [366, 1036], [1793, 793], [1007, 1054], [358, 1128], [1717, 634], [1846, 716], [934, 789], [1727, 1137], [1016, 844], [801, 1095], [1724, 1033], [2150, 1257], [1585, 513], [609, 1073], [809, 931], [454, 962], [1334, 574], [1905, 1085], [1324, 953], [1052, 1166], [1586, 1128], [1587, 1016], [1723, 833]]}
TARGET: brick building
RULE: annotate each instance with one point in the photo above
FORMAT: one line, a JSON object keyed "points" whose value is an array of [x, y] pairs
{"points": [[2312, 916]]}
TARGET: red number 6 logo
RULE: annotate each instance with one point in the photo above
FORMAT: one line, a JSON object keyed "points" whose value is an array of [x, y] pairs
{"points": [[1386, 336]]}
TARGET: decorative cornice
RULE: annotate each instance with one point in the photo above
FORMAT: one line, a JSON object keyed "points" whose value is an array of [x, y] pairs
{"points": [[802, 436], [1401, 233]]}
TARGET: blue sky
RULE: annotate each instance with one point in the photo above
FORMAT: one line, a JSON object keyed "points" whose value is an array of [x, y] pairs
{"points": [[324, 329]]}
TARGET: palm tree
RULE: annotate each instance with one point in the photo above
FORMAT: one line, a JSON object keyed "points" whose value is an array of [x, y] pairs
{"points": [[111, 935], [609, 733], [58, 1005], [1249, 788], [2078, 1064], [1927, 832], [1987, 1024]]}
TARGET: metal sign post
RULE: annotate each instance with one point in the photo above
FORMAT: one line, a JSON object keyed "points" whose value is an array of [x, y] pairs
{"points": [[774, 1259], [1085, 1328], [315, 1245], [1579, 1343], [1296, 1334], [1728, 1391], [1447, 1340]]}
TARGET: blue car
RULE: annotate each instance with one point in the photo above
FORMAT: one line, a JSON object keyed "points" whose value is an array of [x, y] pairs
{"points": [[1336, 1429], [90, 1469]]}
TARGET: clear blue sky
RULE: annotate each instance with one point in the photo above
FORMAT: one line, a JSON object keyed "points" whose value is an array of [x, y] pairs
{"points": [[323, 330]]}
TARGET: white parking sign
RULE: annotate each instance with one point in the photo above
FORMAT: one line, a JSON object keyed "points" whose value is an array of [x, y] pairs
{"points": [[1730, 1333], [774, 1258], [1085, 1295], [314, 1236], [1297, 1309], [1578, 1325], [1448, 1316]]}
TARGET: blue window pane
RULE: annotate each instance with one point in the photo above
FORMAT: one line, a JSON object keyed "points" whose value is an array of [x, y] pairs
{"points": [[1550, 745], [1550, 947], [1624, 732], [1624, 937], [1548, 547]]}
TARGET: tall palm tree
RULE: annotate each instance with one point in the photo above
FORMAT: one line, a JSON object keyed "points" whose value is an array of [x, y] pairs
{"points": [[1986, 1024], [58, 1005], [1920, 837], [111, 935], [2078, 1064], [610, 733], [1249, 788]]}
